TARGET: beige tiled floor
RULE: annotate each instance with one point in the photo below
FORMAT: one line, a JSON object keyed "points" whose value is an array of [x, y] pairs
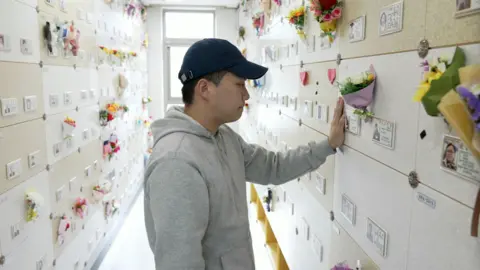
{"points": [[130, 250]]}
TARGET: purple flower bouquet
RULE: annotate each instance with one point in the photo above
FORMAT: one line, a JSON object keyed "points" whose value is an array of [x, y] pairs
{"points": [[461, 108]]}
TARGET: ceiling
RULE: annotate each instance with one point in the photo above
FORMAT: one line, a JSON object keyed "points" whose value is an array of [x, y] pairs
{"points": [[210, 3]]}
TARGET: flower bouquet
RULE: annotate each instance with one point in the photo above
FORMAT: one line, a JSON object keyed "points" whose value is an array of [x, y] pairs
{"points": [[341, 266], [99, 191], [111, 208], [68, 125], [81, 207], [297, 18], [63, 227], [439, 77], [461, 108], [258, 22], [34, 202], [358, 91], [327, 12]]}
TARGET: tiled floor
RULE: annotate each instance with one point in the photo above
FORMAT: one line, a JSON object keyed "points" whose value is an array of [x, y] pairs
{"points": [[130, 250]]}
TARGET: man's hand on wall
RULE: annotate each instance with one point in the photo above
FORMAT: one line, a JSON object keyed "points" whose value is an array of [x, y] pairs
{"points": [[337, 128]]}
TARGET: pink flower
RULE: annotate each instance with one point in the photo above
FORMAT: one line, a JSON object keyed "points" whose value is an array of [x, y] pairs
{"points": [[337, 13], [318, 13], [326, 18]]}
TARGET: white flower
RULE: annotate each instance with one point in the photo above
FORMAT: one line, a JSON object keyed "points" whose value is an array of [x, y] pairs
{"points": [[36, 198], [442, 67], [358, 79]]}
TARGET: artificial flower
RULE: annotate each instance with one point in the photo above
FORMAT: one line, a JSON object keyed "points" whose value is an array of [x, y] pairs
{"points": [[336, 13]]}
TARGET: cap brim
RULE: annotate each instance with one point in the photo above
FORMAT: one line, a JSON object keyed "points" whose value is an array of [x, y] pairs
{"points": [[248, 70]]}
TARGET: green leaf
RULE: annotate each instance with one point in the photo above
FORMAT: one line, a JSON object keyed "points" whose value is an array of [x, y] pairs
{"points": [[440, 87]]}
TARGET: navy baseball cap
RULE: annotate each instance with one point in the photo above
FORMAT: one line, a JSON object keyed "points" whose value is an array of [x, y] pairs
{"points": [[212, 55]]}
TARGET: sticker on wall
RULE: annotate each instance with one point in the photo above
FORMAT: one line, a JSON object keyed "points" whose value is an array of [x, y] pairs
{"points": [[26, 46], [384, 133], [322, 113], [53, 100], [357, 91], [63, 5], [57, 148], [63, 227], [80, 207], [69, 142], [34, 202], [308, 108], [377, 236], [4, 43], [457, 159], [68, 126], [320, 182], [292, 103], [353, 121], [467, 8], [391, 19], [30, 103], [81, 15], [348, 209], [356, 30]]}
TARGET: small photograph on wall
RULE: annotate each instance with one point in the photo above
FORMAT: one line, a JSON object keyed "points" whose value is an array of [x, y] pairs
{"points": [[457, 159], [384, 133], [2, 42], [467, 7]]}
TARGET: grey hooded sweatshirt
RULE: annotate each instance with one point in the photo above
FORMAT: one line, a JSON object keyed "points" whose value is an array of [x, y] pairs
{"points": [[195, 192]]}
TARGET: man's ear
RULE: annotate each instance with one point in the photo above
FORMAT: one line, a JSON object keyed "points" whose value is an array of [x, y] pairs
{"points": [[202, 89]]}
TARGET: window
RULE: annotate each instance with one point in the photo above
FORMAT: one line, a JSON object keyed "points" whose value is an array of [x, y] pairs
{"points": [[181, 29], [176, 54], [189, 25]]}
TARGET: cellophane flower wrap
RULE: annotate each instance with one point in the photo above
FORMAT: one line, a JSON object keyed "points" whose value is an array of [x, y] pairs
{"points": [[297, 17], [327, 12], [34, 202], [358, 91], [440, 75], [461, 108]]}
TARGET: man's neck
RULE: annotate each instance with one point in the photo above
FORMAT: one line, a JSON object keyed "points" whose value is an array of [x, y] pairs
{"points": [[203, 118]]}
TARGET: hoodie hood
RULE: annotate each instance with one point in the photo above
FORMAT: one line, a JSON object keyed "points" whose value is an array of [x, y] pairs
{"points": [[176, 120]]}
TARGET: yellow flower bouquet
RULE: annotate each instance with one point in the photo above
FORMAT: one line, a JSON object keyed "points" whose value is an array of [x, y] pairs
{"points": [[297, 18], [440, 76], [327, 12]]}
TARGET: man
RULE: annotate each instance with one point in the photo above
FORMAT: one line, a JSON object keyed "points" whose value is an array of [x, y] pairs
{"points": [[195, 182]]}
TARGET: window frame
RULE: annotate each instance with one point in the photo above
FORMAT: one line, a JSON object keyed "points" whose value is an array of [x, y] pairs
{"points": [[178, 42]]}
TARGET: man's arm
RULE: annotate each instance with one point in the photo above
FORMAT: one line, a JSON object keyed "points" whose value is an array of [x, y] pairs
{"points": [[266, 167], [179, 204]]}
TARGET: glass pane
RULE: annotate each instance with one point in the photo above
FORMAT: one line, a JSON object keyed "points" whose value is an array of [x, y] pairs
{"points": [[189, 25], [176, 59]]}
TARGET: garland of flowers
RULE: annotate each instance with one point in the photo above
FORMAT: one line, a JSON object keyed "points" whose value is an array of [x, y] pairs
{"points": [[122, 55], [327, 12], [297, 18]]}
